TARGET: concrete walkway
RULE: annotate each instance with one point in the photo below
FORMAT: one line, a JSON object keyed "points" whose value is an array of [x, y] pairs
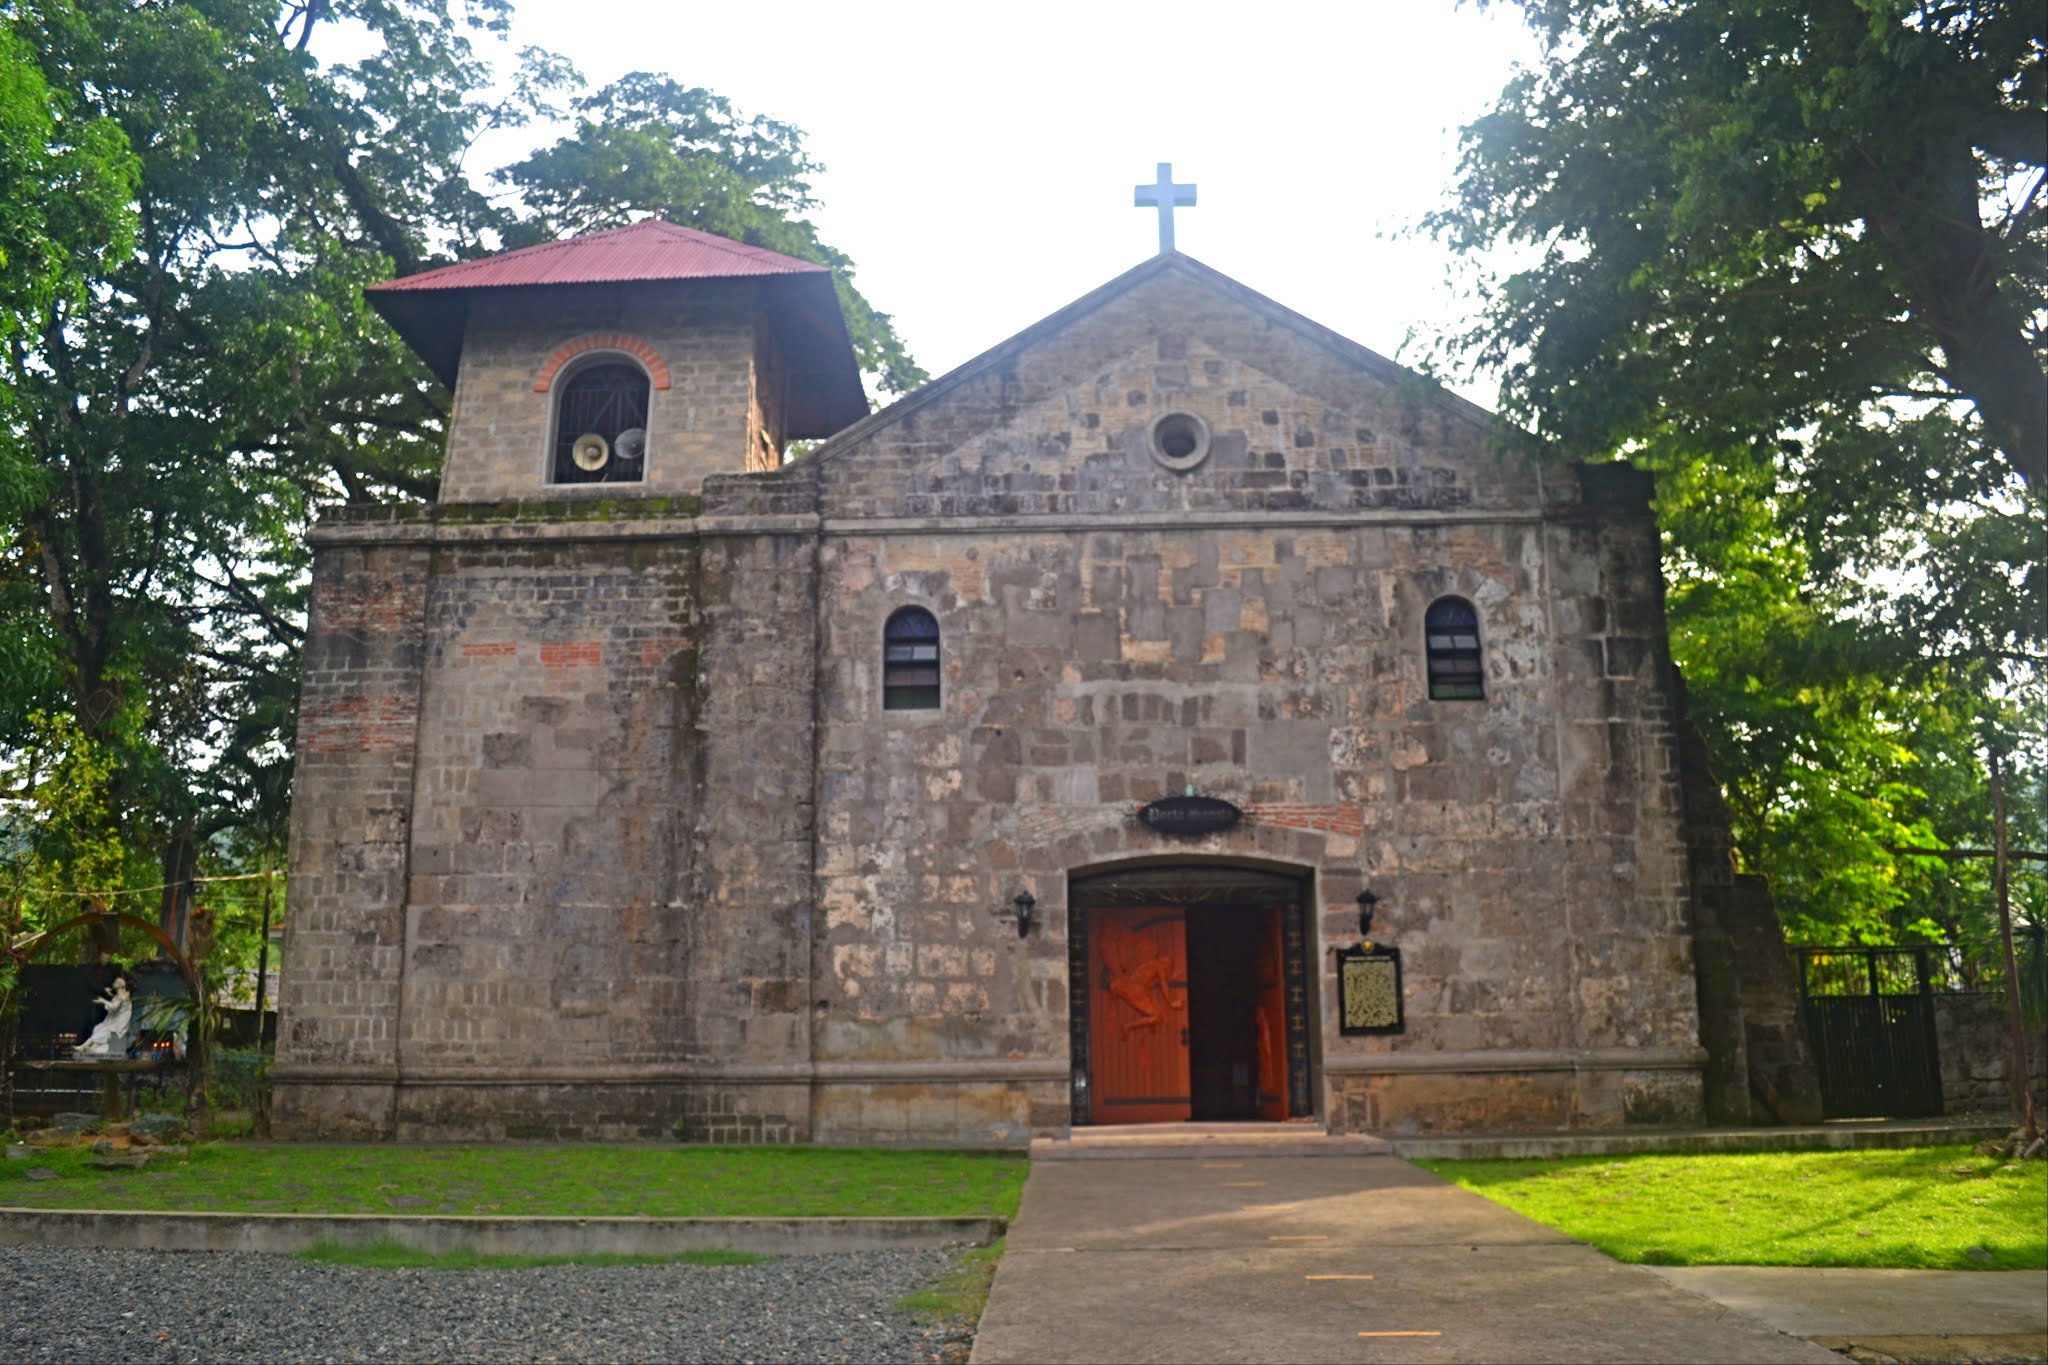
{"points": [[1332, 1258], [1903, 1315], [1842, 1303]]}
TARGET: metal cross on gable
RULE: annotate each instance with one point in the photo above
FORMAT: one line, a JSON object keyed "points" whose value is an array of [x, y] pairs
{"points": [[1165, 196]]}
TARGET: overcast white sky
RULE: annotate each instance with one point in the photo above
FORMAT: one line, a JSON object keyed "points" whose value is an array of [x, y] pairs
{"points": [[980, 158]]}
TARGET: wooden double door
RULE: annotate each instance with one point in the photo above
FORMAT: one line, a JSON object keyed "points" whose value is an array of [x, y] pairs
{"points": [[1187, 1014]]}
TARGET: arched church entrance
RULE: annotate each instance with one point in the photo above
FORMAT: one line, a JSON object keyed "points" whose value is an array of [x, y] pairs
{"points": [[1189, 991]]}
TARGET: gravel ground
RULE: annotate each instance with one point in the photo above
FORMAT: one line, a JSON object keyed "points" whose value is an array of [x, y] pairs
{"points": [[68, 1304]]}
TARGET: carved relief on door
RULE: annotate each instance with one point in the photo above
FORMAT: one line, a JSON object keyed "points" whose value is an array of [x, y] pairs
{"points": [[1138, 1014], [1190, 995]]}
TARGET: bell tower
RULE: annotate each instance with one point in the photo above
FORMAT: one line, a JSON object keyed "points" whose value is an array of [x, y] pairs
{"points": [[630, 362]]}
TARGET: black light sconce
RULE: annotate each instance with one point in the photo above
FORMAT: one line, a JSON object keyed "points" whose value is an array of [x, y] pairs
{"points": [[1021, 906], [1366, 902]]}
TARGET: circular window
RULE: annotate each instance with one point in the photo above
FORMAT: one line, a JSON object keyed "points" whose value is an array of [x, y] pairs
{"points": [[1180, 440]]}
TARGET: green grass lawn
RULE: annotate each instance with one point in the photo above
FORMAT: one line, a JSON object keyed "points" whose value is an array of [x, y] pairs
{"points": [[959, 1295], [1942, 1208], [590, 1181]]}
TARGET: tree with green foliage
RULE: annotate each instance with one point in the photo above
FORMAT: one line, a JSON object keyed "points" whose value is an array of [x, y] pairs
{"points": [[192, 202], [1755, 219], [66, 188], [1810, 236], [1794, 258], [67, 179], [1834, 761], [649, 147]]}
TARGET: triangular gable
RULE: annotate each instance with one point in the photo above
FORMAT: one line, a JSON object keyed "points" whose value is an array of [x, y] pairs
{"points": [[1341, 349], [1062, 418]]}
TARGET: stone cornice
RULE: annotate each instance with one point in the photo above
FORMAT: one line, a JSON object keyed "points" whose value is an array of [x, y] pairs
{"points": [[877, 1072], [431, 531]]}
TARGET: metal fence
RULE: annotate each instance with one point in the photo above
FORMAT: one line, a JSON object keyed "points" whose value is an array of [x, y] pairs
{"points": [[1869, 1016], [1848, 971], [1964, 968]]}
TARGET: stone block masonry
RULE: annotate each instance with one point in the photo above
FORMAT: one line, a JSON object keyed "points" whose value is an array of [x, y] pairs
{"points": [[604, 828], [351, 828], [699, 349]]}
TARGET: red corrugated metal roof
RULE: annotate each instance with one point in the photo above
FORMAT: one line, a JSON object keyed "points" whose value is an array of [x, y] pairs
{"points": [[648, 250]]}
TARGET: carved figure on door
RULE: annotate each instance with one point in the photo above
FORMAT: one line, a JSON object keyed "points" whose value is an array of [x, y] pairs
{"points": [[1269, 1071], [1146, 986]]}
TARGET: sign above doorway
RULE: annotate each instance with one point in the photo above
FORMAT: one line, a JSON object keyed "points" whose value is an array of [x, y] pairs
{"points": [[1189, 816]]}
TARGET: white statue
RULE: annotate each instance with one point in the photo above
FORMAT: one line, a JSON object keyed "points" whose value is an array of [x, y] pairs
{"points": [[113, 1035]]}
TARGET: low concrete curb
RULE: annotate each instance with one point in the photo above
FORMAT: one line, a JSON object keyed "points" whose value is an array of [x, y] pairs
{"points": [[490, 1236], [1055, 1149], [1820, 1137], [1205, 1139]]}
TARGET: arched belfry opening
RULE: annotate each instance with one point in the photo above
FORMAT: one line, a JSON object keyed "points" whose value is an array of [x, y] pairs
{"points": [[600, 425], [1190, 993]]}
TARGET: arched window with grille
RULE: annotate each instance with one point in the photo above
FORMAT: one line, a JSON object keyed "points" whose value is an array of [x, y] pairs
{"points": [[1452, 631], [600, 425], [910, 661]]}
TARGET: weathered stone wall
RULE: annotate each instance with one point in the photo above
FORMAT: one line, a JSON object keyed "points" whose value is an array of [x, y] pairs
{"points": [[1544, 857], [703, 337], [585, 944], [1975, 1045], [751, 843], [1063, 429], [1115, 631], [351, 823], [1760, 1068], [671, 861], [546, 926]]}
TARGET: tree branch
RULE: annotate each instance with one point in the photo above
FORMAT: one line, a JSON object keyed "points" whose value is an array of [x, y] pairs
{"points": [[2019, 135], [281, 630]]}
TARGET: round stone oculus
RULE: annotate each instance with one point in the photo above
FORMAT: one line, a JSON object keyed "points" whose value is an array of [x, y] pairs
{"points": [[1179, 440]]}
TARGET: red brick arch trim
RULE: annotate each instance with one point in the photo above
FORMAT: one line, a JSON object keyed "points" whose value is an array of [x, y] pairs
{"points": [[657, 368]]}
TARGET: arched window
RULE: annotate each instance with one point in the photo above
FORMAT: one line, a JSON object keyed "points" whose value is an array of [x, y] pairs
{"points": [[910, 661], [601, 425], [1452, 628]]}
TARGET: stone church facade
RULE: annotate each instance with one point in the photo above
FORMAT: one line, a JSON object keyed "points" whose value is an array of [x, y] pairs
{"points": [[648, 784]]}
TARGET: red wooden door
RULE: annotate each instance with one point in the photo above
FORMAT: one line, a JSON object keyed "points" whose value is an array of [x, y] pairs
{"points": [[1138, 1015], [1272, 1018]]}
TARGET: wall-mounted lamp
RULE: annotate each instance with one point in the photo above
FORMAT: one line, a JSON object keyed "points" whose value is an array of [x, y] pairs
{"points": [[1366, 902], [1021, 906]]}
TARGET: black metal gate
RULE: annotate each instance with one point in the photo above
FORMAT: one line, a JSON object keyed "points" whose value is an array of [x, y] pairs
{"points": [[1870, 1021]]}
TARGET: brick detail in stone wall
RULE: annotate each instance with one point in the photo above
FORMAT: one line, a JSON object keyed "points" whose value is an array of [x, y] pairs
{"points": [[548, 882], [357, 725], [718, 1114], [1343, 818], [572, 654], [699, 346], [657, 368], [655, 653]]}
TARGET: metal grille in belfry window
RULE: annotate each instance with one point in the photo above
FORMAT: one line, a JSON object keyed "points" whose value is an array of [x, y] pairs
{"points": [[609, 402], [910, 661], [1453, 630]]}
